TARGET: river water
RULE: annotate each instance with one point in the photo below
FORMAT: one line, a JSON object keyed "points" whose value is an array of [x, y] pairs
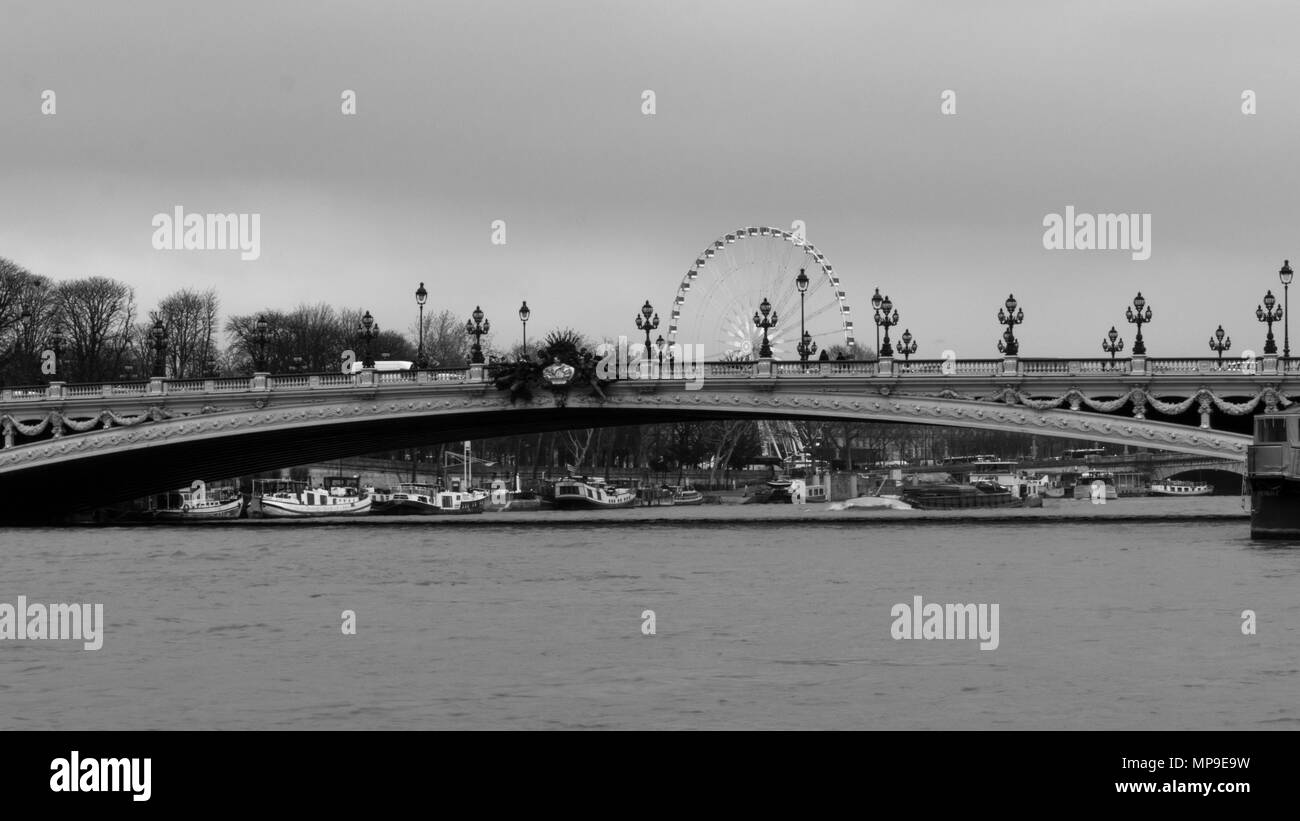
{"points": [[537, 623]]}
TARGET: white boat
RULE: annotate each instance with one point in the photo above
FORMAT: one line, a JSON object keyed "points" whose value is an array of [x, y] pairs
{"points": [[460, 499], [196, 504], [1174, 487], [687, 496], [338, 496], [1083, 488], [588, 493], [871, 502]]}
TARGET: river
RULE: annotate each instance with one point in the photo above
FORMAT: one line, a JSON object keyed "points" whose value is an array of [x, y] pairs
{"points": [[1122, 616]]}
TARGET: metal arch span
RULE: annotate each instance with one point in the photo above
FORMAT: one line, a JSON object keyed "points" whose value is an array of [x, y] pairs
{"points": [[116, 464]]}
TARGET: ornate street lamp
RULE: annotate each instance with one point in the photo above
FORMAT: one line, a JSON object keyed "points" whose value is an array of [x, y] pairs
{"points": [[1112, 344], [1011, 317], [766, 321], [524, 313], [261, 336], [806, 346], [1139, 319], [159, 334], [660, 344], [908, 347], [367, 330], [1267, 314], [421, 296], [476, 327], [1218, 344], [884, 320], [57, 340], [1286, 276], [297, 365], [646, 322], [876, 302]]}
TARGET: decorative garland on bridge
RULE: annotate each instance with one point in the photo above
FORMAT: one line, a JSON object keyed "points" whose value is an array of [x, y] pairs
{"points": [[1203, 398], [56, 422]]}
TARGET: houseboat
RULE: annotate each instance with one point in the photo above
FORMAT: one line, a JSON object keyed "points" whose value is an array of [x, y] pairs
{"points": [[953, 496], [1273, 471], [196, 503], [589, 493], [1084, 483], [1173, 487], [336, 496]]}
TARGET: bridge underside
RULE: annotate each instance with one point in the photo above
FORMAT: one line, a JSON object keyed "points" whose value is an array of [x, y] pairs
{"points": [[54, 477]]}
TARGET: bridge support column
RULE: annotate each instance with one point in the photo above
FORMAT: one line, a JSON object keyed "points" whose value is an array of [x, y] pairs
{"points": [[885, 366]]}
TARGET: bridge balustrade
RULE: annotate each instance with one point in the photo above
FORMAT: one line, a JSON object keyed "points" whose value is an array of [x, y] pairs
{"points": [[763, 369]]}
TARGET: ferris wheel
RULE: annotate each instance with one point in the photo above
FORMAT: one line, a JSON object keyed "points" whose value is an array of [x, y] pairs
{"points": [[721, 293]]}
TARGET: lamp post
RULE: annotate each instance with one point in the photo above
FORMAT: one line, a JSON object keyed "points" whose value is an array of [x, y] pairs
{"points": [[261, 336], [1139, 319], [1112, 344], [476, 327], [876, 302], [765, 318], [1011, 317], [159, 334], [1269, 315], [297, 365], [647, 321], [660, 344], [367, 330], [884, 320], [57, 340], [524, 313], [908, 347], [1218, 344], [806, 346], [421, 296], [1286, 276]]}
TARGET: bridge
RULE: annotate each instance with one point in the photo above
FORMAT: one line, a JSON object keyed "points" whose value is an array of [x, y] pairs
{"points": [[70, 446]]}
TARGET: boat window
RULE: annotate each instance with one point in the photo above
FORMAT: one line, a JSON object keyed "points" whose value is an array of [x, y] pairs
{"points": [[1270, 429]]}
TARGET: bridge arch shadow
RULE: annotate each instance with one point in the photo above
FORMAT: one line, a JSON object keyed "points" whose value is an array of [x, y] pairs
{"points": [[50, 478]]}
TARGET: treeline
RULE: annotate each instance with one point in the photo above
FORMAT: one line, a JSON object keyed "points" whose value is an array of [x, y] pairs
{"points": [[101, 334]]}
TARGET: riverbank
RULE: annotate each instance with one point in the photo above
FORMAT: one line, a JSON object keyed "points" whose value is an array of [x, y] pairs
{"points": [[1149, 509]]}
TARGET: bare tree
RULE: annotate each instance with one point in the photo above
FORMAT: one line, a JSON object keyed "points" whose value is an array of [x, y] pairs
{"points": [[97, 315]]}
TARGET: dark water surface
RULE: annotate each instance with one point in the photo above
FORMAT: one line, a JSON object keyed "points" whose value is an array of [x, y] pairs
{"points": [[1103, 624]]}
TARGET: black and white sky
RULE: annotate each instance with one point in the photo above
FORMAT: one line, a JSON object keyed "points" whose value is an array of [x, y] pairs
{"points": [[765, 113]]}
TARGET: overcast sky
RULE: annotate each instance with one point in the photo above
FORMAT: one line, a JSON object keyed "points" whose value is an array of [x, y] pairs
{"points": [[766, 113]]}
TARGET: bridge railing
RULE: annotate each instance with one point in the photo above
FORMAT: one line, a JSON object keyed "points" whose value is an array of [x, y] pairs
{"points": [[1269, 365]]}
